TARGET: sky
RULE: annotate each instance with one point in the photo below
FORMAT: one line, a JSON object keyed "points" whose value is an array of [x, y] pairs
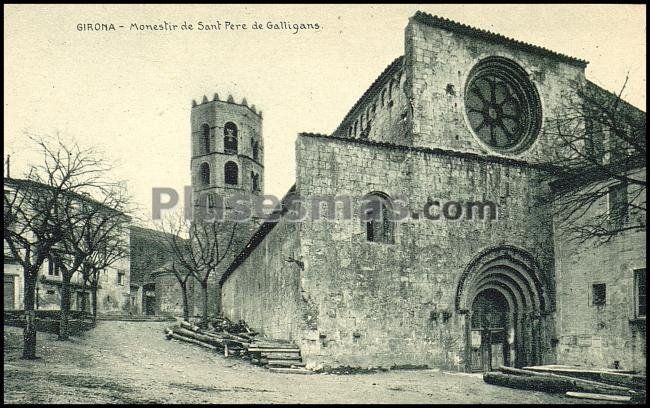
{"points": [[129, 92]]}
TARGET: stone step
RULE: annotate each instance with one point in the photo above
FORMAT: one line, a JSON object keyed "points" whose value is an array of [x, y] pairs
{"points": [[285, 363], [254, 349], [290, 370], [281, 356], [264, 344]]}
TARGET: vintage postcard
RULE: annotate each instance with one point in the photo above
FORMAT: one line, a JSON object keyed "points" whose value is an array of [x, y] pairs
{"points": [[324, 203]]}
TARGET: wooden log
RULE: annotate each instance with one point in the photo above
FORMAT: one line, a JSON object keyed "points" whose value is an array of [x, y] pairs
{"points": [[281, 356], [189, 326], [273, 350], [201, 337], [602, 397], [236, 338], [190, 340], [578, 381], [285, 363], [290, 370], [168, 333], [269, 344], [611, 377], [550, 383]]}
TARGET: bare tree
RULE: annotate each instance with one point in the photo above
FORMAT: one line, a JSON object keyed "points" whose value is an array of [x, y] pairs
{"points": [[199, 246], [34, 207], [109, 250], [601, 145], [183, 276], [93, 233]]}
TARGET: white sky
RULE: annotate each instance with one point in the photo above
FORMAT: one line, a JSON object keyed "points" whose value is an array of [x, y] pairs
{"points": [[130, 92]]}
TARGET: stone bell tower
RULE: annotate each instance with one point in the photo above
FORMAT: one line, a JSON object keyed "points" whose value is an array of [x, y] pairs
{"points": [[227, 150], [227, 163]]}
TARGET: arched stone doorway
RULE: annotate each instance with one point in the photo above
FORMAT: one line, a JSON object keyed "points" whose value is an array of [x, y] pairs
{"points": [[503, 297]]}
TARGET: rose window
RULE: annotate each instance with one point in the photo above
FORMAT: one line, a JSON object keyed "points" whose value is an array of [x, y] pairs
{"points": [[502, 105]]}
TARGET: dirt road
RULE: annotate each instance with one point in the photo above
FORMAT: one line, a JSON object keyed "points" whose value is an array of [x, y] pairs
{"points": [[131, 362]]}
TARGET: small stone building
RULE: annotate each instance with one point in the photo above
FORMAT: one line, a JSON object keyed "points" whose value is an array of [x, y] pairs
{"points": [[455, 128]]}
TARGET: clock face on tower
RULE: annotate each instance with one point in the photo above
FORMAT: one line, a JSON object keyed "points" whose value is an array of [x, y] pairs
{"points": [[502, 105]]}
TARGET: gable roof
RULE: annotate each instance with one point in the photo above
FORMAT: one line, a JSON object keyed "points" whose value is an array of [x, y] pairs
{"points": [[258, 236], [371, 92], [450, 25]]}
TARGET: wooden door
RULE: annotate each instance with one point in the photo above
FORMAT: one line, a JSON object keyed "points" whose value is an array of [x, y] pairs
{"points": [[9, 293]]}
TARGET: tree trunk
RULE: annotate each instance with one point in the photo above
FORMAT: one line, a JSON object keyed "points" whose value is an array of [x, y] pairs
{"points": [[64, 324], [29, 332], [186, 305], [83, 295], [94, 286], [204, 316]]}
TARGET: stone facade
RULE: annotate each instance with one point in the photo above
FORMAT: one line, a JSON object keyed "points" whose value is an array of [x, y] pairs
{"points": [[154, 291], [609, 332], [427, 295], [112, 291]]}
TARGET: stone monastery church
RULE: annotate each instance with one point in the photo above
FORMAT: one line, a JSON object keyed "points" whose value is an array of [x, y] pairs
{"points": [[461, 116]]}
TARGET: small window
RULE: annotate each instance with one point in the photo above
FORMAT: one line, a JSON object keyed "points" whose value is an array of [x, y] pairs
{"points": [[378, 219], [53, 268], [255, 150], [205, 137], [120, 278], [356, 126], [383, 97], [618, 205], [231, 173], [212, 200], [255, 182], [204, 172], [594, 141], [230, 138], [599, 294], [639, 291]]}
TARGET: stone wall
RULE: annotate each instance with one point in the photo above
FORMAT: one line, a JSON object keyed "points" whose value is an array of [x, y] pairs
{"points": [[169, 296], [438, 62], [265, 289], [607, 333], [375, 300], [381, 114]]}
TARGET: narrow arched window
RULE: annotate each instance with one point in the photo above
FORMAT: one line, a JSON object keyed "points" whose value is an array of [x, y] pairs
{"points": [[256, 152], [255, 182], [383, 97], [230, 138], [205, 138], [377, 216], [231, 173], [204, 172], [356, 126]]}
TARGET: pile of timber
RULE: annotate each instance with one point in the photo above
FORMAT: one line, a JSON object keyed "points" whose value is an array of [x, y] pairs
{"points": [[572, 386], [228, 343], [276, 355]]}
